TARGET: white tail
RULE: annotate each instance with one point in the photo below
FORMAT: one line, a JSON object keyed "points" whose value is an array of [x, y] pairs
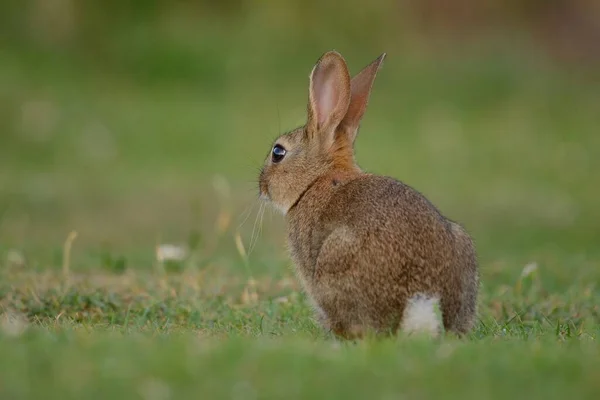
{"points": [[422, 315]]}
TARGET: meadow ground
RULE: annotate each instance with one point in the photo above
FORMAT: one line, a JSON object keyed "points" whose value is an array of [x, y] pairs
{"points": [[163, 147]]}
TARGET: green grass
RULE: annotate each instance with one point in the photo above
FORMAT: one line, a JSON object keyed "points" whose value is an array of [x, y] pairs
{"points": [[150, 129], [97, 366], [185, 334]]}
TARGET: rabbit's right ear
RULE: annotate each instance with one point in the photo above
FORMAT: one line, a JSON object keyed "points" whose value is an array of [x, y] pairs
{"points": [[329, 98]]}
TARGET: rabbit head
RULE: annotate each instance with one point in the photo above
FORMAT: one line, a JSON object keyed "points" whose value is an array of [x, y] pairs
{"points": [[336, 105]]}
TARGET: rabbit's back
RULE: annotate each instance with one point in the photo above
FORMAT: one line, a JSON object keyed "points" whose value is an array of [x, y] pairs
{"points": [[392, 217]]}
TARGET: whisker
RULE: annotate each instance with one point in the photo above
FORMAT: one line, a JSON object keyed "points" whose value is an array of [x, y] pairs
{"points": [[260, 227], [254, 231], [259, 219], [246, 212], [278, 119]]}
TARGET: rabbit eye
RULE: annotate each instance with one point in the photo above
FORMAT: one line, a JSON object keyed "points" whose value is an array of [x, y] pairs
{"points": [[278, 153]]}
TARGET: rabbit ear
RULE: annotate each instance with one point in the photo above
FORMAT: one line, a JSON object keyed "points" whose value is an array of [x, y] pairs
{"points": [[361, 86], [329, 97]]}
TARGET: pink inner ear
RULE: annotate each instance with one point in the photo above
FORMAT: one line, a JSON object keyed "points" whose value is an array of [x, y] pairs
{"points": [[327, 95], [329, 99]]}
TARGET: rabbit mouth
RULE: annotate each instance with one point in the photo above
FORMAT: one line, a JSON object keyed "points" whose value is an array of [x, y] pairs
{"points": [[264, 196]]}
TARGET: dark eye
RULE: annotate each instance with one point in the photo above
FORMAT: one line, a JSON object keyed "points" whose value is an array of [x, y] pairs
{"points": [[278, 153]]}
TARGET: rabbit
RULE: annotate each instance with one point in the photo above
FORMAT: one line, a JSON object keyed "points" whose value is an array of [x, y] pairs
{"points": [[372, 254]]}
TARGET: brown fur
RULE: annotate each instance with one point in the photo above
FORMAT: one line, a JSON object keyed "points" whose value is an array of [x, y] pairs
{"points": [[363, 244]]}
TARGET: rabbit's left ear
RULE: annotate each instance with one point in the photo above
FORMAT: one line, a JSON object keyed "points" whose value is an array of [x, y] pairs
{"points": [[361, 86]]}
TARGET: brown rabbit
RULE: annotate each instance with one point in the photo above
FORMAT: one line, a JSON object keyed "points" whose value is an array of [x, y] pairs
{"points": [[373, 254]]}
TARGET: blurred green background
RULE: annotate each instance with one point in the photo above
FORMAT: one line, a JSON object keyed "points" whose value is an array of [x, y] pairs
{"points": [[129, 122]]}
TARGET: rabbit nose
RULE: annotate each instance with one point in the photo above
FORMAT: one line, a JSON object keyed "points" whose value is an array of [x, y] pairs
{"points": [[262, 185]]}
